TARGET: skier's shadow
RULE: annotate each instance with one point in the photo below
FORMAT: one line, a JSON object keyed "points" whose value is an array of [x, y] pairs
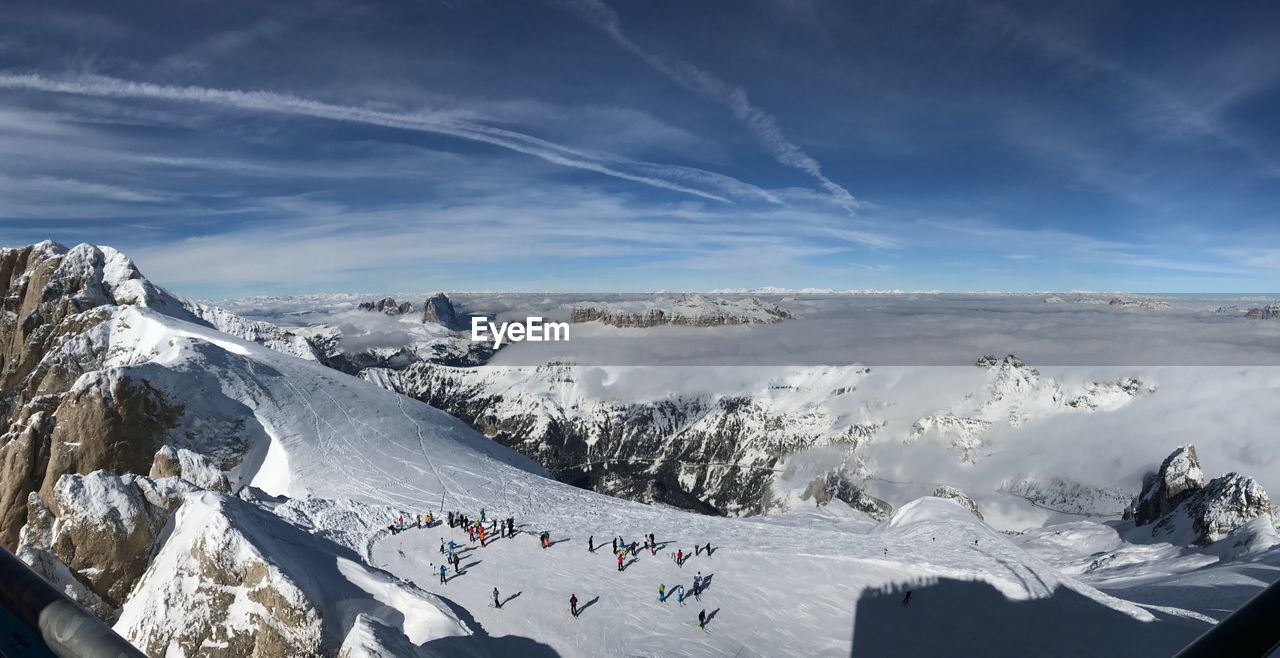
{"points": [[467, 567], [627, 564], [706, 582], [511, 598], [557, 541], [586, 605], [712, 616]]}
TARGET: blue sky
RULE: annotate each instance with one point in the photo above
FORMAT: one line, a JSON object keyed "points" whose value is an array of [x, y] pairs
{"points": [[577, 145]]}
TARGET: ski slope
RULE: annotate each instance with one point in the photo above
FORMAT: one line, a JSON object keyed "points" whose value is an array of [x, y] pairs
{"points": [[344, 458]]}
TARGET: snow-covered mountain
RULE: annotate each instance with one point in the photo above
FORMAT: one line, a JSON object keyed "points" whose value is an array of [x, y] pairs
{"points": [[686, 310], [210, 495], [728, 449]]}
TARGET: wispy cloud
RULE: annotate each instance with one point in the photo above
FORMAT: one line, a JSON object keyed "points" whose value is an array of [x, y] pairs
{"points": [[763, 125], [716, 187]]}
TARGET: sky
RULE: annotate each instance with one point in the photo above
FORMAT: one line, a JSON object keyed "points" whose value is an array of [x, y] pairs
{"points": [[236, 147]]}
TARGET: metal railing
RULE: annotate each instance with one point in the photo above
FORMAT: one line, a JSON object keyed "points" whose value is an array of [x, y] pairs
{"points": [[38, 620]]}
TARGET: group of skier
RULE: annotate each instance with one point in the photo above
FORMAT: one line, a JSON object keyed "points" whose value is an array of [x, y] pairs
{"points": [[419, 521], [482, 528]]}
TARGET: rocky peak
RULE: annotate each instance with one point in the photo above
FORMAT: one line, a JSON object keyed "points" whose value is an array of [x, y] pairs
{"points": [[952, 493], [1264, 312], [1179, 476], [1225, 504], [1177, 498], [386, 305], [439, 309]]}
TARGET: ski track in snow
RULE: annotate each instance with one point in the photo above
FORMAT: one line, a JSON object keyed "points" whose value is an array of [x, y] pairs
{"points": [[779, 587]]}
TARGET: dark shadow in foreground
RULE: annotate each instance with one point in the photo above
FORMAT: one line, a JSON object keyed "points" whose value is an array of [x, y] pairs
{"points": [[483, 645], [971, 618]]}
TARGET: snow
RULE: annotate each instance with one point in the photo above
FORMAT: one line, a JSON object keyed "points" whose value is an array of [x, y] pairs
{"points": [[776, 589], [334, 460]]}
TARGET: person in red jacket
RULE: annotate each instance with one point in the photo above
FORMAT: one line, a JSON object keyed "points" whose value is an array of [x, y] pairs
{"points": [[620, 556], [573, 605]]}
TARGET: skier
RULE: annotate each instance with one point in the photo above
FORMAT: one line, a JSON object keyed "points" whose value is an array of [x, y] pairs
{"points": [[482, 515], [633, 548], [906, 599], [697, 549], [591, 546], [481, 536], [702, 619], [443, 579], [620, 557], [662, 592], [680, 558], [496, 602], [511, 526], [450, 519], [573, 605], [652, 542], [615, 545], [707, 547], [442, 545], [697, 584], [680, 594]]}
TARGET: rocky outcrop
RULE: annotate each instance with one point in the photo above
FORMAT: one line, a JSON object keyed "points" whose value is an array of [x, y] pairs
{"points": [[234, 579], [190, 466], [1179, 506], [387, 305], [952, 493], [1263, 312], [1142, 304], [1225, 504], [95, 534], [836, 485], [1179, 477], [439, 309], [55, 308], [686, 310]]}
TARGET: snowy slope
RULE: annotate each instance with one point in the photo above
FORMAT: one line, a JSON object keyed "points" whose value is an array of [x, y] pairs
{"points": [[775, 589]]}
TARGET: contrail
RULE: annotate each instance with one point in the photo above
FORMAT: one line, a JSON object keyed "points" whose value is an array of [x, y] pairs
{"points": [[706, 85], [656, 175]]}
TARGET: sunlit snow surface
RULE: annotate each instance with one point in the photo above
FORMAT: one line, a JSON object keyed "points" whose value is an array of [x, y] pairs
{"points": [[806, 583]]}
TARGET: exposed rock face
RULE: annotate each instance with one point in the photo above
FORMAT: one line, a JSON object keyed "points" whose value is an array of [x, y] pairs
{"points": [[55, 304], [687, 310], [387, 305], [1179, 477], [1264, 312], [959, 496], [1225, 504], [96, 534], [439, 309], [237, 580], [1178, 504], [711, 454], [1143, 304], [190, 466], [835, 485]]}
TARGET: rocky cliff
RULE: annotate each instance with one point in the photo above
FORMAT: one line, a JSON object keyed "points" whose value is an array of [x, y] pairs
{"points": [[1178, 505]]}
